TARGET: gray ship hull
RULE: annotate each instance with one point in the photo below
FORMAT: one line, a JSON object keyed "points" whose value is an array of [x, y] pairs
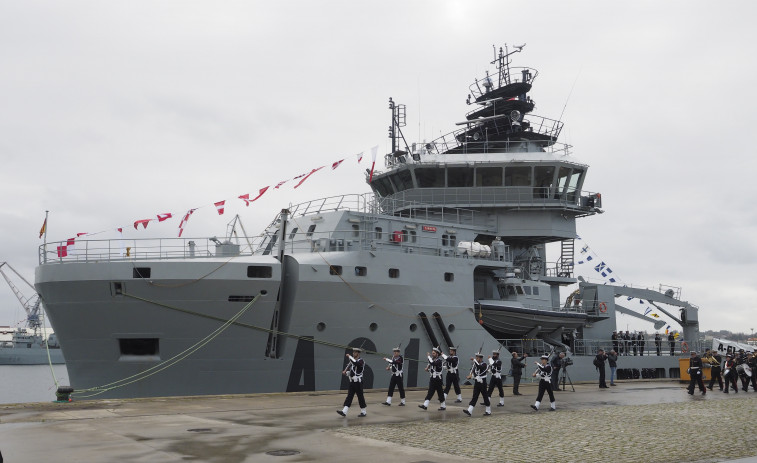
{"points": [[31, 356]]}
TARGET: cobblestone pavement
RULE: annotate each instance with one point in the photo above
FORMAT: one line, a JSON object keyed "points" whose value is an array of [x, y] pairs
{"points": [[668, 432]]}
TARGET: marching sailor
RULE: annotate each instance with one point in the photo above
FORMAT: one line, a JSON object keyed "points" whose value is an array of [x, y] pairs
{"points": [[729, 374], [434, 369], [451, 363], [495, 365], [695, 371], [544, 370], [395, 366], [354, 372], [478, 373], [714, 360]]}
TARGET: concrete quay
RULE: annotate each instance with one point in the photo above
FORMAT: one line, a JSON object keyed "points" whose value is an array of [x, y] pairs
{"points": [[653, 421]]}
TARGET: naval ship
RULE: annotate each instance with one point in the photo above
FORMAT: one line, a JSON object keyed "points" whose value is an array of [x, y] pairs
{"points": [[448, 249]]}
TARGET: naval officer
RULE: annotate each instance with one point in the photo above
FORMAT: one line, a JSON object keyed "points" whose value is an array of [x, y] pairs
{"points": [[354, 372], [395, 366]]}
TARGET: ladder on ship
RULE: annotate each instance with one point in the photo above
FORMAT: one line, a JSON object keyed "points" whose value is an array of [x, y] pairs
{"points": [[567, 249]]}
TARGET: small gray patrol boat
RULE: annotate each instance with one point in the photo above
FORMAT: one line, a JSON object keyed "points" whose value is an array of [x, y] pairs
{"points": [[449, 248]]}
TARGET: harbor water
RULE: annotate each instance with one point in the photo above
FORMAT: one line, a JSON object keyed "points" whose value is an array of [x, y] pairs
{"points": [[30, 383]]}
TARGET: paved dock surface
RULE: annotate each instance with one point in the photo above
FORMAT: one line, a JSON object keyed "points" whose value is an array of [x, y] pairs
{"points": [[635, 421]]}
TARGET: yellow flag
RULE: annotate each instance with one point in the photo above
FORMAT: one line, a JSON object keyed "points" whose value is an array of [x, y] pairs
{"points": [[44, 227]]}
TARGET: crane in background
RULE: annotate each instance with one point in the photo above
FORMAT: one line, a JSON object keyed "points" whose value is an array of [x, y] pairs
{"points": [[32, 305]]}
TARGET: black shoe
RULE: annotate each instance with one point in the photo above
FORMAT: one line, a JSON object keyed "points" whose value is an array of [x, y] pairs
{"points": [[466, 412], [691, 392], [487, 413], [361, 415], [441, 409], [387, 404], [613, 384], [552, 410], [500, 405], [709, 387], [341, 412], [423, 407], [534, 407], [458, 401], [704, 392], [517, 393], [725, 392], [401, 404]]}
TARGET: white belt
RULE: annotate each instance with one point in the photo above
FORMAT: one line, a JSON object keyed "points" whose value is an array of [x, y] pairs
{"points": [[436, 375], [398, 373], [497, 375], [356, 379], [480, 379], [452, 370]]}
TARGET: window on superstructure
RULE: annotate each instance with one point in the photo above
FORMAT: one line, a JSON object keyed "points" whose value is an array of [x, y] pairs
{"points": [[574, 183], [430, 177], [518, 176], [405, 180], [335, 269], [361, 271], [141, 272], [378, 230], [294, 232], [311, 229], [382, 186], [519, 289], [562, 180], [259, 271], [355, 230], [459, 177], [536, 290], [544, 178], [452, 240], [449, 277], [404, 236], [413, 236], [527, 289], [488, 176], [445, 240], [394, 273]]}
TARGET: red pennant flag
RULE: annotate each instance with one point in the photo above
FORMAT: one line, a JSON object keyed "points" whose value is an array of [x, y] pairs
{"points": [[280, 183], [80, 234], [143, 222], [336, 164], [247, 200], [359, 157], [62, 251], [162, 217], [220, 205], [374, 151], [70, 242], [184, 221], [307, 175], [120, 230]]}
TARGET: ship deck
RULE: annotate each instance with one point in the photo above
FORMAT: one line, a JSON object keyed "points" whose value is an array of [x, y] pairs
{"points": [[653, 415]]}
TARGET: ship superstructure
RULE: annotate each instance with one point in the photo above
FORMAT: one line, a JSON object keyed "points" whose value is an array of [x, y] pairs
{"points": [[450, 248]]}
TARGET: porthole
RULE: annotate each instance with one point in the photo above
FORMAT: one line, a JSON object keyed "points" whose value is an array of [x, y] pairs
{"points": [[451, 328], [413, 327], [373, 327], [320, 326]]}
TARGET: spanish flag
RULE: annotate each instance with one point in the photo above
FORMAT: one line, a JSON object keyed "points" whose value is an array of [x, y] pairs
{"points": [[44, 227]]}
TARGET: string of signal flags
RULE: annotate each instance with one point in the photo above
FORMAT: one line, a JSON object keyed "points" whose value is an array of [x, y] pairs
{"points": [[65, 248], [588, 257]]}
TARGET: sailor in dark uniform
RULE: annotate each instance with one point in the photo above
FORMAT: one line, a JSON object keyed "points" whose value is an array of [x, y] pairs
{"points": [[478, 374], [729, 374], [752, 362], [516, 365], [695, 371], [634, 344], [599, 362], [395, 366], [556, 363], [658, 343], [451, 363], [354, 372], [544, 371], [715, 360], [672, 342], [640, 340], [434, 369], [614, 338], [741, 363], [495, 366]]}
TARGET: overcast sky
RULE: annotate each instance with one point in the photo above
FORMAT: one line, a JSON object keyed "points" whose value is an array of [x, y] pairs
{"points": [[111, 112]]}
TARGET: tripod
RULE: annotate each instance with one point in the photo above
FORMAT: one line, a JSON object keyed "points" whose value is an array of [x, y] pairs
{"points": [[563, 376]]}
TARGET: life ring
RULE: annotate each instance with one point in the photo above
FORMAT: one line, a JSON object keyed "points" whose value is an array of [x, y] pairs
{"points": [[602, 307], [684, 347]]}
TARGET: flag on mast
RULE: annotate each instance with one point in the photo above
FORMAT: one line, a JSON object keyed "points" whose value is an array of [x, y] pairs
{"points": [[44, 227], [374, 151]]}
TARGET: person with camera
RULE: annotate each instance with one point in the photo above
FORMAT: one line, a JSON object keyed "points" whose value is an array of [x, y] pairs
{"points": [[556, 364], [599, 362], [544, 371], [517, 364], [695, 372], [612, 360]]}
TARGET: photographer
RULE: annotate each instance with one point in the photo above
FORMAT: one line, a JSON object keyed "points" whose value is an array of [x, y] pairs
{"points": [[556, 364], [612, 360], [599, 362]]}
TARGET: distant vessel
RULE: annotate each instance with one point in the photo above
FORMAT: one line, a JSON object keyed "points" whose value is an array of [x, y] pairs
{"points": [[449, 249], [26, 348]]}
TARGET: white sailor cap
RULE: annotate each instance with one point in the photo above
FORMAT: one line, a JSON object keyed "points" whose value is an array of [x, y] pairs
{"points": [[545, 356], [453, 348], [357, 349], [437, 350], [495, 352], [396, 349], [478, 354]]}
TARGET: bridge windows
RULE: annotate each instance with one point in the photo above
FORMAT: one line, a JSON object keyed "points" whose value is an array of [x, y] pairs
{"points": [[518, 176], [544, 179], [430, 177], [488, 176], [459, 177]]}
